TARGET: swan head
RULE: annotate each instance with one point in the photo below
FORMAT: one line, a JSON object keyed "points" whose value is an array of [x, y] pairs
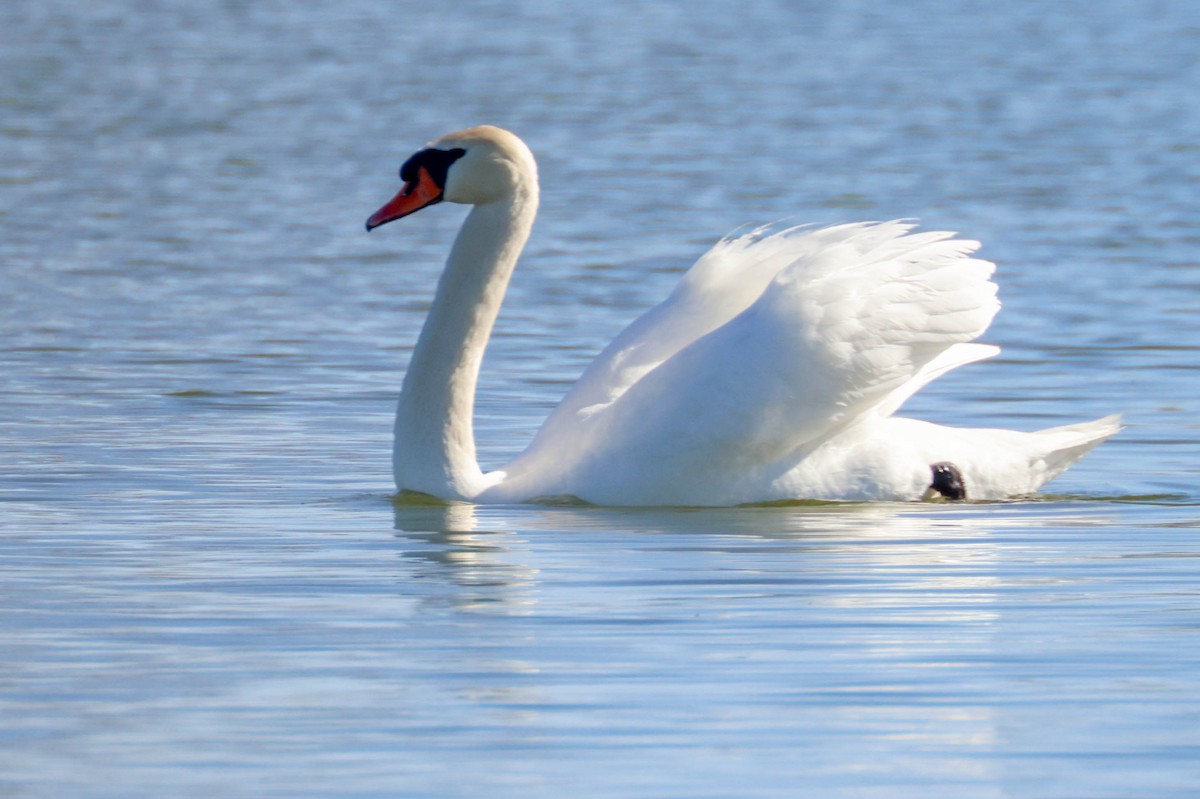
{"points": [[473, 166]]}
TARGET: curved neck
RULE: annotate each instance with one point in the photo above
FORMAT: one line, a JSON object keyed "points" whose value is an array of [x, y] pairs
{"points": [[434, 448]]}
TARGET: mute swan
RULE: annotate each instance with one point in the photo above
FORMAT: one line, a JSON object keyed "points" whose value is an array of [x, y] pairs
{"points": [[771, 371]]}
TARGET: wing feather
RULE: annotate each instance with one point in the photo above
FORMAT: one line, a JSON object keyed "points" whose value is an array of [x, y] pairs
{"points": [[771, 342]]}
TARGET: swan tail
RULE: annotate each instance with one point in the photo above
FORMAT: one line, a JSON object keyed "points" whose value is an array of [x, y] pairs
{"points": [[1067, 444]]}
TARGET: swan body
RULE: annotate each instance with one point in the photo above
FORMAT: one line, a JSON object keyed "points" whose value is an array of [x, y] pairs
{"points": [[771, 372]]}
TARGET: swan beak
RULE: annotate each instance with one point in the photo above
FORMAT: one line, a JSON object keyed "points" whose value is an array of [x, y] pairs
{"points": [[413, 197]]}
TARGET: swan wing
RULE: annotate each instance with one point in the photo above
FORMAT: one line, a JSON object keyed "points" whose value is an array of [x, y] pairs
{"points": [[828, 325], [720, 285], [958, 355]]}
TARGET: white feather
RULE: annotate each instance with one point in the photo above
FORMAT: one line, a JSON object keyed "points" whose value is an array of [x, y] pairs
{"points": [[770, 372]]}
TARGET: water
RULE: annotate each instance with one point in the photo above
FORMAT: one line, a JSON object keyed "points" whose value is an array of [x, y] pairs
{"points": [[206, 589]]}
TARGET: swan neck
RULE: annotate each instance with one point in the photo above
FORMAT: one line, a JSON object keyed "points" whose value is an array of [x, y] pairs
{"points": [[434, 435]]}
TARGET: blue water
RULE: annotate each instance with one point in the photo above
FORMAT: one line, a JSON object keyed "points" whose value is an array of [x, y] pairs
{"points": [[207, 590]]}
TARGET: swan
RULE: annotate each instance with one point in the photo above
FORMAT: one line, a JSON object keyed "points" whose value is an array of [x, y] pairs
{"points": [[771, 372]]}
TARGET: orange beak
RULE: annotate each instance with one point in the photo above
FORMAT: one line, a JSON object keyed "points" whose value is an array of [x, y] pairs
{"points": [[412, 198]]}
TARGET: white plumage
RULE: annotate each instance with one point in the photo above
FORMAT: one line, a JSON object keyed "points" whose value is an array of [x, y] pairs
{"points": [[771, 371]]}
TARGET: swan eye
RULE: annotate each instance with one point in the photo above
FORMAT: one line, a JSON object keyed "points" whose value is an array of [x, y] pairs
{"points": [[435, 162]]}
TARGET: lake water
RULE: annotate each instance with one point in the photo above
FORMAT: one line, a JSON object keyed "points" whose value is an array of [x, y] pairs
{"points": [[207, 590]]}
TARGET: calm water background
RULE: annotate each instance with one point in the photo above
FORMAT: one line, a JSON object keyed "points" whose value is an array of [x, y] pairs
{"points": [[205, 589]]}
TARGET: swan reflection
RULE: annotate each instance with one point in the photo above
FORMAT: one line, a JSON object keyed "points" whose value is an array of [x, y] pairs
{"points": [[471, 564], [931, 562], [881, 618]]}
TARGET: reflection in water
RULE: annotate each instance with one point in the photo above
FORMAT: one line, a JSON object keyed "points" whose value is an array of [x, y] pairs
{"points": [[480, 579], [925, 552], [877, 618], [471, 571]]}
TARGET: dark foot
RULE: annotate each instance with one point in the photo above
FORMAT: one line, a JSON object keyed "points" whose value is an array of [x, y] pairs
{"points": [[947, 481]]}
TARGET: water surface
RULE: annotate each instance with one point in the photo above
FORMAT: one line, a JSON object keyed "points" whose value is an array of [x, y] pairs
{"points": [[206, 588]]}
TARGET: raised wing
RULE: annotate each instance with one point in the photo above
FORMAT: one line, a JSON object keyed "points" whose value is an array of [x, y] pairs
{"points": [[720, 285], [768, 345]]}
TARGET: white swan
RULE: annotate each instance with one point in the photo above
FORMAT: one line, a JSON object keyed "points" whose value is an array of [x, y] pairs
{"points": [[771, 371]]}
